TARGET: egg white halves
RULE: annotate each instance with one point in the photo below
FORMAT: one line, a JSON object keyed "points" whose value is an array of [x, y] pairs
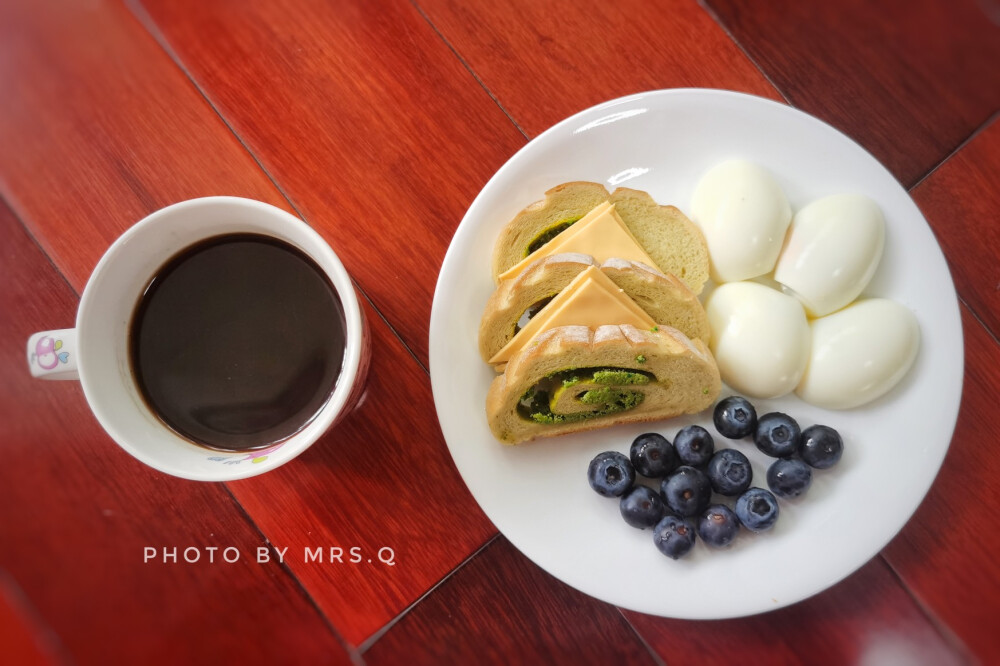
{"points": [[859, 353], [833, 248], [744, 214], [760, 338]]}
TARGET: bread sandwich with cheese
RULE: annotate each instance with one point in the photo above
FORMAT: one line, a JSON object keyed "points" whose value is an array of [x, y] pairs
{"points": [[595, 320], [576, 378], [583, 217], [549, 289]]}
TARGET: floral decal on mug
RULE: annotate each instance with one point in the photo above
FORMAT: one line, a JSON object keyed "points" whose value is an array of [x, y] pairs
{"points": [[47, 354], [254, 457]]}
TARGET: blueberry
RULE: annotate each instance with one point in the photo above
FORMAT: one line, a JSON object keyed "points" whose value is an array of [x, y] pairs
{"points": [[652, 455], [777, 435], [821, 446], [718, 526], [641, 507], [789, 478], [687, 491], [735, 417], [694, 445], [673, 536], [611, 474], [757, 509], [730, 472]]}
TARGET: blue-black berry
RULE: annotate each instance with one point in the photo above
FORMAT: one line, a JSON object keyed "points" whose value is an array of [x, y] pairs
{"points": [[652, 455], [694, 446], [730, 472], [687, 491], [673, 536], [821, 446], [789, 478], [757, 509], [641, 507], [777, 435], [611, 474], [735, 417], [718, 526]]}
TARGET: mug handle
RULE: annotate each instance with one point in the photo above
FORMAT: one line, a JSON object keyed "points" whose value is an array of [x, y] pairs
{"points": [[52, 354]]}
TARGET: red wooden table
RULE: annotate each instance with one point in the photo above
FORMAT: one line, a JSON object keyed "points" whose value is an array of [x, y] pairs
{"points": [[344, 111]]}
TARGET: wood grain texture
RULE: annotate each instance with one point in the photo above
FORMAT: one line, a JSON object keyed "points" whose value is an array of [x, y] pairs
{"points": [[946, 554], [25, 639], [367, 121], [364, 115], [545, 61], [868, 618], [381, 479], [501, 609], [78, 512], [961, 202], [908, 80], [160, 135], [99, 129]]}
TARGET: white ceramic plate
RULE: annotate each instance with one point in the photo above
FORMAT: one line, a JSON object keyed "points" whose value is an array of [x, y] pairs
{"points": [[537, 494]]}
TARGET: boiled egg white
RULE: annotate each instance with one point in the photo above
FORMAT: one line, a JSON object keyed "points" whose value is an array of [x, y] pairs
{"points": [[744, 214], [859, 353], [832, 250], [760, 338]]}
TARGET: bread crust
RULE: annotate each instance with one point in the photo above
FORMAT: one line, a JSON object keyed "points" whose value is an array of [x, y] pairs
{"points": [[687, 378]]}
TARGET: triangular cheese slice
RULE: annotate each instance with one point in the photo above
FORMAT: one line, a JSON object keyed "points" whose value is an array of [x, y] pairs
{"points": [[600, 233], [591, 299]]}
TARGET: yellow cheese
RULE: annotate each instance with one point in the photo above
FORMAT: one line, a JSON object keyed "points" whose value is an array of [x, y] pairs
{"points": [[600, 233], [591, 299]]}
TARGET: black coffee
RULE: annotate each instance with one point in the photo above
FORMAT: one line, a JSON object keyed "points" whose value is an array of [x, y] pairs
{"points": [[237, 342]]}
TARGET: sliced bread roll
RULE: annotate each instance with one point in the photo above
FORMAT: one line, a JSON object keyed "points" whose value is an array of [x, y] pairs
{"points": [[543, 220], [675, 244], [665, 298], [574, 378]]}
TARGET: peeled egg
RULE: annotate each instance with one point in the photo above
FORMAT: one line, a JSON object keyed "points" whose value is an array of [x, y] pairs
{"points": [[859, 353], [833, 248], [744, 215], [760, 338]]}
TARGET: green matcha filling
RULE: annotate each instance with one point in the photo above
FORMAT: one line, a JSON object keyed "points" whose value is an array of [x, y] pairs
{"points": [[548, 234], [619, 376], [537, 403], [603, 376], [613, 400]]}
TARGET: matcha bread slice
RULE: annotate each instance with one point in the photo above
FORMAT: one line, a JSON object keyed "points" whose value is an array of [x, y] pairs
{"points": [[675, 244], [665, 298], [575, 378], [544, 220]]}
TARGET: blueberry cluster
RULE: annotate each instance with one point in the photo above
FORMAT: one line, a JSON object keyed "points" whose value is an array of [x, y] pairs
{"points": [[778, 435], [690, 471]]}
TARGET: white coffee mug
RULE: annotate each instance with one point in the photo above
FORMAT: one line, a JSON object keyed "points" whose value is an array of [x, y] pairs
{"points": [[96, 351]]}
